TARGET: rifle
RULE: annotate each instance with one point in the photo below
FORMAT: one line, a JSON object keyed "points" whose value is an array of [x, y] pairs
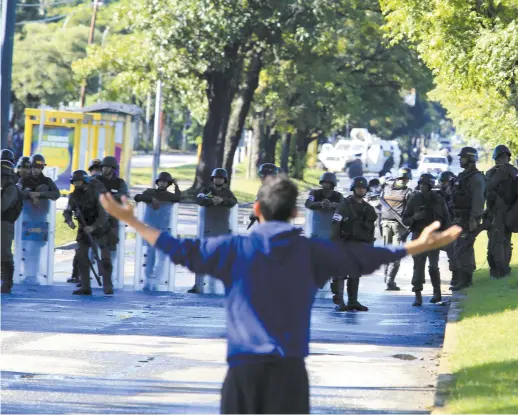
{"points": [[252, 221], [95, 249], [484, 226], [397, 217]]}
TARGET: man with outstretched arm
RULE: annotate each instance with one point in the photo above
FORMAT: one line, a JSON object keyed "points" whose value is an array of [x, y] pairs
{"points": [[267, 331]]}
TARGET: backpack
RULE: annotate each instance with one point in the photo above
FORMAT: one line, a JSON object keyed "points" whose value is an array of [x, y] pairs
{"points": [[13, 213]]}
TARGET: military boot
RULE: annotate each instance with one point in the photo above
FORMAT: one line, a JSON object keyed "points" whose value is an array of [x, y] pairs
{"points": [[463, 282], [437, 297], [338, 298], [454, 279], [352, 293], [7, 277], [107, 280], [418, 302], [392, 286], [435, 277], [74, 279], [85, 288]]}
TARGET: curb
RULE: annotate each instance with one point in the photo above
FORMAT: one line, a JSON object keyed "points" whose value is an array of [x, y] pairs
{"points": [[445, 376]]}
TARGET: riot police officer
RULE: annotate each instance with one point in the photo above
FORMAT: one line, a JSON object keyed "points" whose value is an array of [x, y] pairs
{"points": [[95, 169], [424, 208], [218, 199], [23, 167], [325, 198], [468, 197], [12, 204], [353, 221], [217, 193], [113, 184], [446, 180], [83, 203], [395, 194], [502, 192], [38, 186], [355, 168], [95, 172], [265, 170], [160, 194], [7, 155]]}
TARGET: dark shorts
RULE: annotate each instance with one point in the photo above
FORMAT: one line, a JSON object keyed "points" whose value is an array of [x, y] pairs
{"points": [[275, 387]]}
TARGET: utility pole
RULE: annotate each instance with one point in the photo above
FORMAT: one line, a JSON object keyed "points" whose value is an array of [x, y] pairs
{"points": [[156, 132], [90, 41], [6, 57]]}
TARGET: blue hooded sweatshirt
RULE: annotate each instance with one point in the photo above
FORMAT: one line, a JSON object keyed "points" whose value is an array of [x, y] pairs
{"points": [[258, 269]]}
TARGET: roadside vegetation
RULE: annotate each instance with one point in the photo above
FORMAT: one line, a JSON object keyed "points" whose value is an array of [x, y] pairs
{"points": [[485, 356]]}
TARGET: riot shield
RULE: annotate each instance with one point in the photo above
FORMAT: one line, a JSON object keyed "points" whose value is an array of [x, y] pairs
{"points": [[318, 225], [214, 221], [34, 243], [154, 271], [118, 257]]}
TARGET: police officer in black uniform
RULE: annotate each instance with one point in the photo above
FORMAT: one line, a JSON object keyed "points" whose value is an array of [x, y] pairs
{"points": [[160, 194], [265, 170], [325, 198], [424, 208], [12, 204], [502, 191], [85, 199], [113, 184], [217, 193], [95, 170], [354, 220], [446, 180], [468, 206], [38, 186], [397, 194], [23, 167], [218, 199]]}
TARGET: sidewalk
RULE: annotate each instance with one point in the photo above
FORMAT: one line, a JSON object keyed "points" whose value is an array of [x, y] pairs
{"points": [[165, 353]]}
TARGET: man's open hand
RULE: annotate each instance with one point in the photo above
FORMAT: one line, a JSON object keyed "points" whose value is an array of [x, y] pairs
{"points": [[122, 211], [430, 239]]}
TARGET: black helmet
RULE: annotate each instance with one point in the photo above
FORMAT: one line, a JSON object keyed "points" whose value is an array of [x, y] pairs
{"points": [[37, 160], [219, 173], [329, 178], [404, 173], [7, 168], [374, 182], [267, 169], [7, 155], [24, 162], [95, 163], [427, 178], [110, 161], [79, 175], [166, 177], [470, 153], [501, 149], [359, 181], [446, 176]]}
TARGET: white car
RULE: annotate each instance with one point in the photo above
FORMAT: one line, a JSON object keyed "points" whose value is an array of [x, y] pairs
{"points": [[433, 164]]}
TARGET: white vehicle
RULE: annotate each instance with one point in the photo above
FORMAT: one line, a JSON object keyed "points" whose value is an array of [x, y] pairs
{"points": [[433, 163], [333, 158], [371, 150]]}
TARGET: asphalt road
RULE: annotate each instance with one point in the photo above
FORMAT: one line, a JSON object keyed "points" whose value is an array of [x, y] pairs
{"points": [[166, 160], [141, 352]]}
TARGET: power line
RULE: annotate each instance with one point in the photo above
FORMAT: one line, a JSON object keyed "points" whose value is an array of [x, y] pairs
{"points": [[46, 5], [48, 19]]}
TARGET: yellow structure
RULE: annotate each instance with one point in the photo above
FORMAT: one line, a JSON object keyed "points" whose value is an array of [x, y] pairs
{"points": [[69, 140]]}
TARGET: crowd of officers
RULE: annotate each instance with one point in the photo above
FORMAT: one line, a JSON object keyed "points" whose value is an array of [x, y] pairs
{"points": [[399, 211], [392, 207]]}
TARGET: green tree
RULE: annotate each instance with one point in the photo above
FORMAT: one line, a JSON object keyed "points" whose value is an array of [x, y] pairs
{"points": [[472, 49]]}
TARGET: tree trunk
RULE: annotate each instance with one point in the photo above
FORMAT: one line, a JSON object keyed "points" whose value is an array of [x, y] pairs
{"points": [[298, 155], [258, 137], [221, 87], [241, 107], [270, 146], [285, 152]]}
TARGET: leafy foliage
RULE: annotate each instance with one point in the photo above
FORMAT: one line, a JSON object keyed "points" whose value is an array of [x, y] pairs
{"points": [[472, 49]]}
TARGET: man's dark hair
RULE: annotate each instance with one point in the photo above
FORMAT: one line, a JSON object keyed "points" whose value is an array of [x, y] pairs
{"points": [[277, 198]]}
